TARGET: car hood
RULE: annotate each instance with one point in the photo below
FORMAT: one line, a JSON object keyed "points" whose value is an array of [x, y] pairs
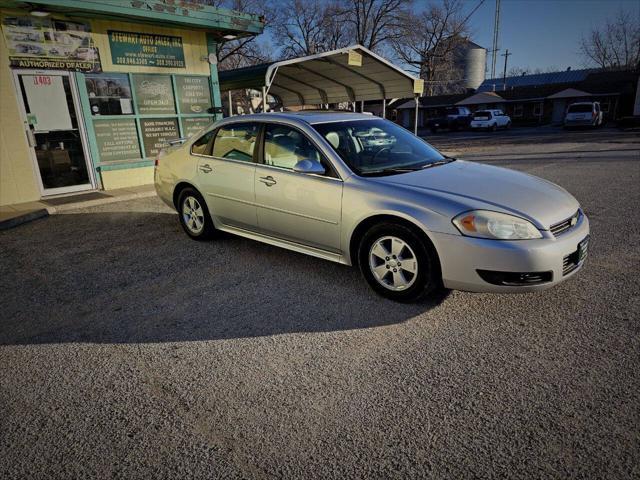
{"points": [[478, 186]]}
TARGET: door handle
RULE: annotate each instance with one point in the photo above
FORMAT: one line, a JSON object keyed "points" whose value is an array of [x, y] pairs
{"points": [[206, 168], [268, 181]]}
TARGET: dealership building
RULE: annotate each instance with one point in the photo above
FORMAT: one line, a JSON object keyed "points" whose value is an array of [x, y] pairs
{"points": [[91, 89]]}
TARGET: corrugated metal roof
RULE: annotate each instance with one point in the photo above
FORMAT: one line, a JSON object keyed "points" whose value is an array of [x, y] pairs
{"points": [[567, 76], [327, 77]]}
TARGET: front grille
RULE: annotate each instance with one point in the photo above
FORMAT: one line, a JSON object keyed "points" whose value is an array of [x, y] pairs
{"points": [[563, 226], [569, 264], [574, 260]]}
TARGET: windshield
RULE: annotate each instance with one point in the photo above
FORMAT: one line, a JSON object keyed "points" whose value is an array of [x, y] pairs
{"points": [[584, 108], [378, 147]]}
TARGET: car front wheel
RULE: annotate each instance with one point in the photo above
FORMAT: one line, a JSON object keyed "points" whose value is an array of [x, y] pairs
{"points": [[194, 215], [398, 264], [494, 127]]}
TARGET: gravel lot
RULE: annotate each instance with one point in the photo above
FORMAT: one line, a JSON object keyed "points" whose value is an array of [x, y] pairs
{"points": [[129, 351]]}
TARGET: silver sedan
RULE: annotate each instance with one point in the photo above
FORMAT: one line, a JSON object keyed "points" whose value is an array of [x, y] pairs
{"points": [[359, 190]]}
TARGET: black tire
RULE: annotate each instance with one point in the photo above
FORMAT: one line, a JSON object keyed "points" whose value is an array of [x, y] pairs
{"points": [[208, 230], [428, 279], [494, 127], [454, 127], [508, 125]]}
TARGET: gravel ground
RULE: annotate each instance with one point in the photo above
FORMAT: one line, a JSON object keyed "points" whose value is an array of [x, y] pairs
{"points": [[129, 351]]}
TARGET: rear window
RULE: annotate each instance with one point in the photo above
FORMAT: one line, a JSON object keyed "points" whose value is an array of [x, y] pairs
{"points": [[482, 115], [451, 111], [236, 141], [584, 108]]}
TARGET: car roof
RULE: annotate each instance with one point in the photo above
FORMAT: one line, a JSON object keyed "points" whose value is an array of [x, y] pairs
{"points": [[305, 116]]}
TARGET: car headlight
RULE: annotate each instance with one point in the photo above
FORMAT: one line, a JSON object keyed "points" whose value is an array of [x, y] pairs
{"points": [[495, 225]]}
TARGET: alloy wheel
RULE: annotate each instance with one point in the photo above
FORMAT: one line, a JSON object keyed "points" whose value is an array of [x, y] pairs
{"points": [[393, 263], [193, 215]]}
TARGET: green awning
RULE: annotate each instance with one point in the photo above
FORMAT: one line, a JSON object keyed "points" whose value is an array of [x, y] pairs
{"points": [[159, 12]]}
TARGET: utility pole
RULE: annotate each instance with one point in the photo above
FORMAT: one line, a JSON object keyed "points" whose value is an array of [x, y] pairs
{"points": [[504, 73], [496, 30]]}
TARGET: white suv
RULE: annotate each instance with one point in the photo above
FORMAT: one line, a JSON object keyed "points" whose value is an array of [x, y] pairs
{"points": [[586, 114], [490, 120]]}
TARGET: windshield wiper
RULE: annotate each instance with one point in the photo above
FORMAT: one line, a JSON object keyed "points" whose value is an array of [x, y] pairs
{"points": [[408, 169], [439, 162], [391, 170]]}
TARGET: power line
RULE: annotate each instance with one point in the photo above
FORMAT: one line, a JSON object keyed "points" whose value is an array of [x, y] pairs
{"points": [[472, 12]]}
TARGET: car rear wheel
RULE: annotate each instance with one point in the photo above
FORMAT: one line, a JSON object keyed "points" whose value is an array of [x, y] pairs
{"points": [[194, 215], [398, 264]]}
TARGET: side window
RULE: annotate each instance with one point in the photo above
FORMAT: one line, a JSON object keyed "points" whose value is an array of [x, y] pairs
{"points": [[202, 146], [285, 146], [236, 141]]}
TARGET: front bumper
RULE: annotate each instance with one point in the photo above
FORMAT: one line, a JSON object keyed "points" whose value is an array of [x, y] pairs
{"points": [[461, 257]]}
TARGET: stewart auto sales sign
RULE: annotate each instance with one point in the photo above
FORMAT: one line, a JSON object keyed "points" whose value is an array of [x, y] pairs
{"points": [[44, 43]]}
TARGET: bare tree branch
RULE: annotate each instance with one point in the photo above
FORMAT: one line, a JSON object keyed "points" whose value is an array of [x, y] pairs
{"points": [[429, 42], [375, 22], [614, 44]]}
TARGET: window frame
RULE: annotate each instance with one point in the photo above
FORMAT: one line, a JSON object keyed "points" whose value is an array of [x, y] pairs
{"points": [[538, 106], [518, 110], [330, 170], [256, 148], [213, 133]]}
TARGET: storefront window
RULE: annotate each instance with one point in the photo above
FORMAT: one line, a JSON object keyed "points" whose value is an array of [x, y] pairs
{"points": [[154, 94], [194, 95], [160, 108], [109, 94]]}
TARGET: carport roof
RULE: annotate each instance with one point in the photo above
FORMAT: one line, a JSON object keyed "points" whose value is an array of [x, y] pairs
{"points": [[328, 77]]}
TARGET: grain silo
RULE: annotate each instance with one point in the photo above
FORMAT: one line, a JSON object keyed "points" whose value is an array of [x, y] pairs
{"points": [[474, 61]]}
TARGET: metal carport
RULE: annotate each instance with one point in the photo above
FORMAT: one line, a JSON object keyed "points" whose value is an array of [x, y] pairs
{"points": [[349, 74]]}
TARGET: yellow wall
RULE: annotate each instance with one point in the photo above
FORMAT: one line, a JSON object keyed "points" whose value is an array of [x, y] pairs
{"points": [[193, 42], [17, 172], [18, 176], [129, 177]]}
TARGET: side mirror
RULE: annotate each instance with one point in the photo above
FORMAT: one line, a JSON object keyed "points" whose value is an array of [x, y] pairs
{"points": [[309, 167]]}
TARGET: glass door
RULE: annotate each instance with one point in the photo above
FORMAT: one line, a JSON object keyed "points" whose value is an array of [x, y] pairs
{"points": [[55, 131]]}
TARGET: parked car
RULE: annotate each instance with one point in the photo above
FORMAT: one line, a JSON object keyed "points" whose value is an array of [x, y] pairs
{"points": [[453, 118], [490, 120], [583, 114], [413, 220]]}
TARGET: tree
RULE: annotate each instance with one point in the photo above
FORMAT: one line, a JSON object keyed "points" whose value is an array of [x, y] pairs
{"points": [[430, 42], [247, 50], [374, 23], [307, 27], [614, 44]]}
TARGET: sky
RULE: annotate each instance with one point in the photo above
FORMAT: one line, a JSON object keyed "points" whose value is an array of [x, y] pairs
{"points": [[541, 33]]}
